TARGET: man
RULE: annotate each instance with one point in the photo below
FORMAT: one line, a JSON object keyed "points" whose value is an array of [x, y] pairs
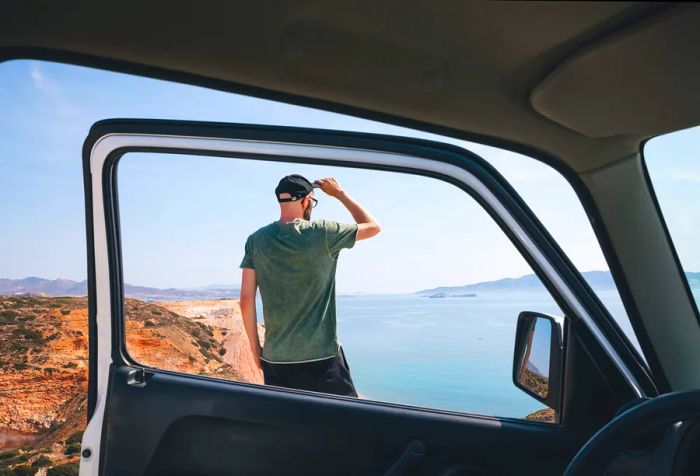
{"points": [[293, 262]]}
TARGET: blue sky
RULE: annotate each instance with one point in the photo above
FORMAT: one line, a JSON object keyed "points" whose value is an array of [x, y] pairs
{"points": [[184, 225], [189, 218]]}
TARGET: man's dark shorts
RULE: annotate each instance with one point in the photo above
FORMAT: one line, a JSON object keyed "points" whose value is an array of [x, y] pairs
{"points": [[327, 376]]}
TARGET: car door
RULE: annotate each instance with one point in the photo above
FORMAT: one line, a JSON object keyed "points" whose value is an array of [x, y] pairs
{"points": [[146, 420]]}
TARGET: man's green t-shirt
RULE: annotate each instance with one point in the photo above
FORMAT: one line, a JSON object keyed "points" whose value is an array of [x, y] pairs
{"points": [[295, 269]]}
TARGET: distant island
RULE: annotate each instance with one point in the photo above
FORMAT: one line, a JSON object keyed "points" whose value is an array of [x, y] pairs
{"points": [[598, 280], [449, 295]]}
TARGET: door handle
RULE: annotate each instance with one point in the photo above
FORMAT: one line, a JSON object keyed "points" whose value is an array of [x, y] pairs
{"points": [[414, 452], [136, 378]]}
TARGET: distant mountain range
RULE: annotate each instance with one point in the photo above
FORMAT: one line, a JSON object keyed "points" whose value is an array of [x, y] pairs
{"points": [[598, 280], [67, 287]]}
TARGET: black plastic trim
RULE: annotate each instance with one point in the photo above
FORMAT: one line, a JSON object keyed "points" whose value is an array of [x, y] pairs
{"points": [[116, 278], [91, 285]]}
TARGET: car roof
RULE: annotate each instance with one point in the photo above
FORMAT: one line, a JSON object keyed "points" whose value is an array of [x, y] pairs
{"points": [[580, 83]]}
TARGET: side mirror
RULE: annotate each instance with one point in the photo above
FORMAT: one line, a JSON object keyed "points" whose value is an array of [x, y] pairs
{"points": [[538, 360]]}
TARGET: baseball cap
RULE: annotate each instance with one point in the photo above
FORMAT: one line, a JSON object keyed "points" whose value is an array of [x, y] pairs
{"points": [[295, 185]]}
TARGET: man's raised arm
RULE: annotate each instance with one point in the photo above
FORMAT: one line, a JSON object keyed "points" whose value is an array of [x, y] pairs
{"points": [[367, 225]]}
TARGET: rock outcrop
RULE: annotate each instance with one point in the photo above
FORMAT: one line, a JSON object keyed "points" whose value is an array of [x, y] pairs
{"points": [[44, 361], [224, 315], [547, 415]]}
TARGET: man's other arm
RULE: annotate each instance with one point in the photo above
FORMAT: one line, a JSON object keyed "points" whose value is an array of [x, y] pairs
{"points": [[249, 286], [367, 225]]}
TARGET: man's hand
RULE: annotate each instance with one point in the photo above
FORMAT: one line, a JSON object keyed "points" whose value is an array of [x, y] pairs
{"points": [[330, 186], [367, 225]]}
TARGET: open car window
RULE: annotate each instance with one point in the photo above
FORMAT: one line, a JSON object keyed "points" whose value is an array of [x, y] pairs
{"points": [[426, 311]]}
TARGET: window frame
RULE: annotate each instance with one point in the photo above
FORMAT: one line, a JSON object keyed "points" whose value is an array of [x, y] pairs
{"points": [[409, 148]]}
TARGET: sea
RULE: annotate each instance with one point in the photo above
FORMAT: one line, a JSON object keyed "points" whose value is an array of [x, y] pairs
{"points": [[453, 353]]}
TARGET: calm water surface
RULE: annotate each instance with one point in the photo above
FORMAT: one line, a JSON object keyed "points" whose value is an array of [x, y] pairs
{"points": [[452, 353]]}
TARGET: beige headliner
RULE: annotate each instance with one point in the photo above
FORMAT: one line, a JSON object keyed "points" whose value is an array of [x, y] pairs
{"points": [[602, 76]]}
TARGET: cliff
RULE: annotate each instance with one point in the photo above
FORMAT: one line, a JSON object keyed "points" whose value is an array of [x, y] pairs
{"points": [[43, 379], [224, 316], [43, 362]]}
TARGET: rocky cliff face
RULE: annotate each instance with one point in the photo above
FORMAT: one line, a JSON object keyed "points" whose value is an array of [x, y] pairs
{"points": [[160, 338], [43, 359], [43, 380], [225, 317]]}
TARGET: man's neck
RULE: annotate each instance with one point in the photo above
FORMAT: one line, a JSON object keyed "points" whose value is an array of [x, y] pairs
{"points": [[289, 217]]}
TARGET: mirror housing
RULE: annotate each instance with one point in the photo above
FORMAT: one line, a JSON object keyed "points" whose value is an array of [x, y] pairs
{"points": [[538, 359]]}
